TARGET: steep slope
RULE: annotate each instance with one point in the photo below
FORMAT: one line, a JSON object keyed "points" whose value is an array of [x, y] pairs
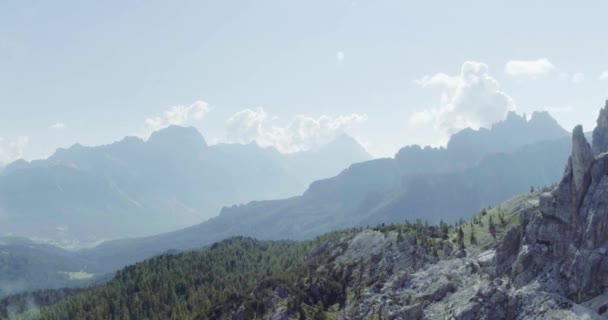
{"points": [[537, 256], [172, 180], [421, 182], [394, 272], [397, 271], [563, 245], [177, 286], [402, 271], [418, 183]]}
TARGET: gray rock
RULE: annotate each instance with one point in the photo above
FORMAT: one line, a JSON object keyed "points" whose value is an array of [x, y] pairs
{"points": [[600, 134], [507, 250], [582, 157], [565, 241], [438, 291], [414, 312]]}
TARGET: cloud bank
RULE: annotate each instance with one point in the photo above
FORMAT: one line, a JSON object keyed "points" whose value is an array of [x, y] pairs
{"points": [[438, 79], [533, 69], [176, 115], [471, 99], [575, 78], [300, 134], [12, 150]]}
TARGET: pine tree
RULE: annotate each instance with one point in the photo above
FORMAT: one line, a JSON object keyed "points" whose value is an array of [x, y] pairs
{"points": [[445, 230], [473, 238], [460, 238], [492, 227]]}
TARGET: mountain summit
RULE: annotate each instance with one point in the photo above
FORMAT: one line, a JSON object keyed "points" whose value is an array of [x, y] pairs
{"points": [[505, 136], [419, 183], [136, 188]]}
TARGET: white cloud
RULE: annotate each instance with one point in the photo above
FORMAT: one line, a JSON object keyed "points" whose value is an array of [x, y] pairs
{"points": [[58, 125], [421, 118], [603, 76], [578, 77], [300, 134], [12, 150], [474, 99], [176, 115], [438, 79], [533, 69], [340, 57]]}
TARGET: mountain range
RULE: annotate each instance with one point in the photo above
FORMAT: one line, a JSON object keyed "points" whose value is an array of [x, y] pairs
{"points": [[479, 168], [540, 255], [130, 188]]}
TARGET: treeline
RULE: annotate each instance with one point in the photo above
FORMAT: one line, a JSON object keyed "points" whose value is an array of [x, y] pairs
{"points": [[235, 276], [185, 285], [27, 304]]}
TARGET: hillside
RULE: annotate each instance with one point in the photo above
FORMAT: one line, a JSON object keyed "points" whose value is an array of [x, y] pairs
{"points": [[429, 183], [343, 274], [25, 265], [175, 286], [172, 180]]}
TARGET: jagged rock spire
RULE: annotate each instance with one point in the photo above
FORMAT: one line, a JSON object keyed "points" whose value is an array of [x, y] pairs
{"points": [[582, 157], [600, 133], [571, 231]]}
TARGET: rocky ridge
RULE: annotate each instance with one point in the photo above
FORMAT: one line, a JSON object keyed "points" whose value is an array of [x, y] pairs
{"points": [[565, 241], [551, 263]]}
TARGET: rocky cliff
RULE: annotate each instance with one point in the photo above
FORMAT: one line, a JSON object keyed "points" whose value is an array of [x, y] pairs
{"points": [[541, 255], [563, 245], [552, 263]]}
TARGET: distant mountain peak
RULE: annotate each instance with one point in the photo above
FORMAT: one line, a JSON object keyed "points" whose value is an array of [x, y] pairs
{"points": [[543, 118], [513, 116], [176, 139], [15, 165], [343, 139], [175, 134], [345, 143], [514, 131]]}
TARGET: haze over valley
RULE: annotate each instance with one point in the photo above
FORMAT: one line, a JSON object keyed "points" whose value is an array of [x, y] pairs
{"points": [[317, 160]]}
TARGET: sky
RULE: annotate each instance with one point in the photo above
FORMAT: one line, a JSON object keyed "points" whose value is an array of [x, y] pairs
{"points": [[292, 74]]}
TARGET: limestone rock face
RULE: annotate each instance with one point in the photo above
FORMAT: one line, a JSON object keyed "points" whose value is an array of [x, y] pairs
{"points": [[568, 238], [582, 157], [600, 137]]}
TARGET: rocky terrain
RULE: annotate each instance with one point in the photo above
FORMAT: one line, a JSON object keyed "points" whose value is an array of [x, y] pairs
{"points": [[551, 263], [541, 255], [429, 183]]}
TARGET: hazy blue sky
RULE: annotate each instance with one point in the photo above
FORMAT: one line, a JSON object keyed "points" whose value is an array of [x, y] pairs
{"points": [[292, 73]]}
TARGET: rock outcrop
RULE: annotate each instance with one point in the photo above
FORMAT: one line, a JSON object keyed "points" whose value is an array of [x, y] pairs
{"points": [[565, 244], [600, 135]]}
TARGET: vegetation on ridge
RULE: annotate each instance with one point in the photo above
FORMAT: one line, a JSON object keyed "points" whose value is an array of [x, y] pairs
{"points": [[210, 283]]}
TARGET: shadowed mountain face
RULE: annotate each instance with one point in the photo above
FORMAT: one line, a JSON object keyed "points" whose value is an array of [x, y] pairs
{"points": [[426, 183], [136, 188]]}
